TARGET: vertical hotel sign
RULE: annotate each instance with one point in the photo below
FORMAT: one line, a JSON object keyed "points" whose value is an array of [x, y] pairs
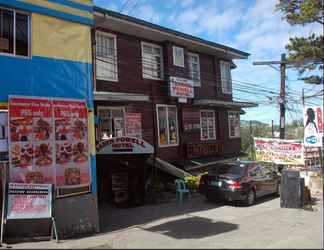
{"points": [[48, 142]]}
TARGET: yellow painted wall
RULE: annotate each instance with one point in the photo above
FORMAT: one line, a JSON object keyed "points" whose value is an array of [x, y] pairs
{"points": [[59, 39]]}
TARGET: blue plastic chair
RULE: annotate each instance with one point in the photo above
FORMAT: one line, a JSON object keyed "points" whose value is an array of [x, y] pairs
{"points": [[181, 190]]}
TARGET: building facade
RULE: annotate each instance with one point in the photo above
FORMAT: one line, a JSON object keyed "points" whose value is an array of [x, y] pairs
{"points": [[168, 88], [45, 51]]}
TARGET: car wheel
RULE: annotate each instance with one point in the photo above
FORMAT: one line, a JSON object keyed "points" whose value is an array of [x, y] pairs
{"points": [[250, 198]]}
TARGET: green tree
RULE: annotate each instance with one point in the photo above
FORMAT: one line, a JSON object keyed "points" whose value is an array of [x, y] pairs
{"points": [[308, 50]]}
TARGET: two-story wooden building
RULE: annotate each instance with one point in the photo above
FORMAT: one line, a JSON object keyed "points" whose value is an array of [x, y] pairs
{"points": [[168, 88]]}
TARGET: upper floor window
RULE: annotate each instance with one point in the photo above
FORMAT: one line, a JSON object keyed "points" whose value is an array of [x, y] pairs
{"points": [[14, 32], [111, 122], [106, 56], [226, 78], [152, 61], [234, 123], [167, 125], [178, 56], [208, 128], [194, 68]]}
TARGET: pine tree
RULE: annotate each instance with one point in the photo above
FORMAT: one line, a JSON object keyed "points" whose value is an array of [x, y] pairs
{"points": [[309, 50]]}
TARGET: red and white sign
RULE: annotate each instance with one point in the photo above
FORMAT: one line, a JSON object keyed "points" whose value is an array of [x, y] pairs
{"points": [[29, 201], [124, 145], [48, 141], [181, 87], [134, 125]]}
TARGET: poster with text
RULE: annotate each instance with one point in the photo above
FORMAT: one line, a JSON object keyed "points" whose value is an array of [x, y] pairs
{"points": [[29, 201], [134, 125], [279, 151], [31, 151], [71, 142], [313, 126]]}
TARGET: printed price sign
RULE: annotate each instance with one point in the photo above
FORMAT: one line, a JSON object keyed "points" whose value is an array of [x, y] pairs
{"points": [[29, 201]]}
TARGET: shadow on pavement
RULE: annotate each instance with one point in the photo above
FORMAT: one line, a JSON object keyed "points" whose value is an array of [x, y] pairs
{"points": [[113, 219], [193, 228]]}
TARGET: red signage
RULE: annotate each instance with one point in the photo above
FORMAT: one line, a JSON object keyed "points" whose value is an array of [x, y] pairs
{"points": [[134, 125], [203, 149], [181, 87]]}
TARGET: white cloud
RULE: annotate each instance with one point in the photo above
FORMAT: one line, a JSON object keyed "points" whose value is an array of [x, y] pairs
{"points": [[148, 13], [186, 3]]}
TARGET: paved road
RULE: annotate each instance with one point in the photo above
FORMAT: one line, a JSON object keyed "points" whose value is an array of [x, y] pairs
{"points": [[199, 224]]}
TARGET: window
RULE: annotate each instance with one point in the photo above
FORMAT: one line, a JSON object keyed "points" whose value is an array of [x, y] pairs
{"points": [[207, 124], [106, 56], [194, 68], [234, 123], [14, 33], [226, 78], [167, 125], [111, 122], [178, 56], [152, 61]]}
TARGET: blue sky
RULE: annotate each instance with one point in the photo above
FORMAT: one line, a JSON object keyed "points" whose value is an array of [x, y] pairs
{"points": [[249, 25]]}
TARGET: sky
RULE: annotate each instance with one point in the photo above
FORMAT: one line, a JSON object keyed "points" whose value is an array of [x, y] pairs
{"points": [[253, 26]]}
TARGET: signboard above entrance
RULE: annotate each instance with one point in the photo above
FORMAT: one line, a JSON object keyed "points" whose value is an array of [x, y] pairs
{"points": [[181, 87], [124, 145]]}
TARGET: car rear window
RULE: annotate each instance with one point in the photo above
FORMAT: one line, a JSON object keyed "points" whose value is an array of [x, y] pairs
{"points": [[232, 169]]}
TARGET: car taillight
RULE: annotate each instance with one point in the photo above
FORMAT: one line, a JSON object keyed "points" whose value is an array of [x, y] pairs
{"points": [[234, 184]]}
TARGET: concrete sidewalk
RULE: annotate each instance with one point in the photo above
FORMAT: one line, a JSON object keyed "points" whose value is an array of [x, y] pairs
{"points": [[199, 224]]}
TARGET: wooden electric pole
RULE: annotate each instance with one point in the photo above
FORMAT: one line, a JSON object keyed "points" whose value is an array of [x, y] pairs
{"points": [[282, 96], [272, 131]]}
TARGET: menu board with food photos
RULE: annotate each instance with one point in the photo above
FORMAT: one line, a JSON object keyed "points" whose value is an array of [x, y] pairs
{"points": [[71, 138], [48, 141], [31, 141]]}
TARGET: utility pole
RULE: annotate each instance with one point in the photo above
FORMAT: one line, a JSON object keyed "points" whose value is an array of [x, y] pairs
{"points": [[282, 97], [303, 97], [272, 131]]}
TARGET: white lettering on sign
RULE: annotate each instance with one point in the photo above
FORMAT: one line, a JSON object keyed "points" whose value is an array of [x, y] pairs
{"points": [[181, 87], [124, 145]]}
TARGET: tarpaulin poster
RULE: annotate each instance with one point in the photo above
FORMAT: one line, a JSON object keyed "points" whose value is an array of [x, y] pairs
{"points": [[313, 126], [29, 201], [134, 125], [72, 149], [31, 140], [279, 151]]}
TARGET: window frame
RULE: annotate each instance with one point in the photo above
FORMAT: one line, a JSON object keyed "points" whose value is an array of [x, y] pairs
{"points": [[161, 56], [174, 47], [110, 108], [114, 36], [229, 129], [214, 125], [229, 89], [29, 39], [168, 128], [196, 83]]}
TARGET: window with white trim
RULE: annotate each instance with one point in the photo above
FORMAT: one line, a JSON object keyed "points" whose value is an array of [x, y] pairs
{"points": [[226, 78], [178, 56], [208, 125], [234, 124], [194, 68], [167, 125], [106, 56], [14, 33], [111, 122], [152, 61]]}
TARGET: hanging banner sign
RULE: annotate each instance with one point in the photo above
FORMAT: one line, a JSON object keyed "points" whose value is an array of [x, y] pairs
{"points": [[3, 132], [29, 201], [31, 140], [71, 138], [313, 126], [124, 145], [279, 151], [134, 125], [48, 141], [181, 87]]}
